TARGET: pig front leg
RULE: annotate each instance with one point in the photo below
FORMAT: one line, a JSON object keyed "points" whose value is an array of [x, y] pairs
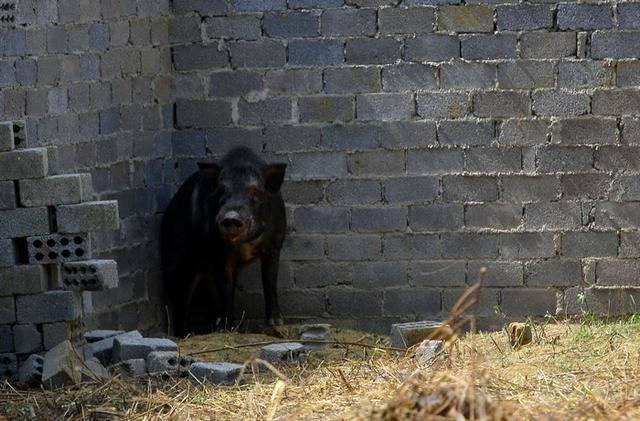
{"points": [[270, 265]]}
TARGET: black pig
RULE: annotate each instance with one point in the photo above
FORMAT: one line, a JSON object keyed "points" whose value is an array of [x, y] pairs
{"points": [[223, 217]]}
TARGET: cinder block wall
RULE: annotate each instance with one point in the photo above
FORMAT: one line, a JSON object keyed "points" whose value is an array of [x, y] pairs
{"points": [[425, 139], [93, 78]]}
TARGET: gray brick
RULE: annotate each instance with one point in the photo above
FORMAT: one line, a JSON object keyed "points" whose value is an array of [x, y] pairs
{"points": [[475, 246], [245, 27], [8, 253], [526, 74], [203, 7], [182, 29], [553, 273], [7, 195], [348, 22], [23, 279], [323, 52], [553, 215], [54, 190], [407, 134], [527, 245], [267, 110], [200, 114], [349, 137], [319, 275], [302, 192], [432, 47], [435, 161], [547, 44], [231, 84], [6, 339], [23, 163], [354, 192], [465, 132], [493, 215], [259, 5], [605, 44], [501, 104], [409, 77], [528, 302], [326, 108], [590, 244], [194, 57], [376, 163], [627, 73], [264, 53], [617, 158], [585, 74], [411, 246], [630, 130], [378, 219], [384, 106], [437, 273], [50, 306], [406, 301], [307, 247], [529, 188], [475, 18], [468, 75], [617, 272], [321, 219], [352, 80], [89, 216], [585, 186], [615, 102], [499, 274], [294, 81], [303, 303], [291, 24], [7, 310], [560, 103], [354, 247], [291, 138], [584, 131], [615, 215], [23, 222], [488, 300], [317, 165], [315, 4], [340, 303], [629, 244], [225, 138], [372, 50], [6, 137], [564, 158], [524, 132], [624, 188], [584, 16], [414, 20], [524, 17], [487, 47], [607, 302], [374, 275], [411, 189], [54, 333], [436, 217], [27, 339], [628, 15], [443, 104]]}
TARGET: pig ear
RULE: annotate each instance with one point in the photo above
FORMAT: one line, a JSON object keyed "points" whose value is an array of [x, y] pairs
{"points": [[209, 168], [274, 176]]}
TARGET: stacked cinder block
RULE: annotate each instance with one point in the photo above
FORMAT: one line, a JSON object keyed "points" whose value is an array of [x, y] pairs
{"points": [[46, 221]]}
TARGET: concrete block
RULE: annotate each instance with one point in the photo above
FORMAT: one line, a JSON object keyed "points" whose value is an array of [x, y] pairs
{"points": [[8, 255], [291, 24], [436, 217], [7, 195], [24, 222], [100, 334], [524, 17], [6, 137], [410, 189], [412, 302], [315, 332], [283, 352], [376, 163], [372, 50], [130, 368], [629, 15], [560, 103], [27, 339], [587, 74], [294, 81], [48, 307], [352, 80], [472, 18], [553, 273], [8, 366], [88, 216], [525, 302], [470, 245], [317, 52], [585, 131], [615, 102], [468, 75], [586, 186], [501, 104], [321, 219], [54, 333], [126, 347], [430, 273], [547, 44], [405, 335], [409, 77], [494, 160], [584, 16], [349, 137], [400, 20], [590, 244], [407, 134], [22, 279], [348, 22], [216, 373], [7, 310], [617, 215], [103, 349], [62, 366], [30, 373], [317, 165], [264, 53], [494, 215], [353, 192], [614, 44], [353, 247], [489, 47], [526, 74], [23, 163], [232, 84], [55, 190], [90, 275], [427, 351], [169, 362], [57, 248], [435, 161], [450, 105], [470, 188], [564, 159], [203, 114], [94, 370], [6, 338], [378, 219], [432, 47], [196, 57], [384, 106], [326, 109], [260, 5], [411, 246], [553, 216]]}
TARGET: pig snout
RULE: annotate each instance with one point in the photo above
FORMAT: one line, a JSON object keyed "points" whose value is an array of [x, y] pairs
{"points": [[233, 225], [232, 222]]}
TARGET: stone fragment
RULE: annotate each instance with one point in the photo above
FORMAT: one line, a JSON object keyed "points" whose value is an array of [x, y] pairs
{"points": [[284, 352], [94, 370], [62, 366], [103, 349], [130, 368], [127, 348], [315, 332], [405, 335], [427, 351], [217, 373], [519, 334], [30, 373]]}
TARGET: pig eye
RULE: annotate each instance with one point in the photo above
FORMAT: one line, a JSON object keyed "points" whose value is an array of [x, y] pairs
{"points": [[255, 195]]}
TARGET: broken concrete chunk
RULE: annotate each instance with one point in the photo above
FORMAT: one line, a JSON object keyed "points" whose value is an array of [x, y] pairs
{"points": [[103, 349], [519, 334], [217, 373], [405, 335], [168, 362], [62, 366], [98, 335], [31, 371], [287, 352], [129, 368], [127, 348], [94, 370], [427, 351], [315, 332]]}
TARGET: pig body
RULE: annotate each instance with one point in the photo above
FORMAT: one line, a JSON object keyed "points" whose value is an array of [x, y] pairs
{"points": [[222, 218]]}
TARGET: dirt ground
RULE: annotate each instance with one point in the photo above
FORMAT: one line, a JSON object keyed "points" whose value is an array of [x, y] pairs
{"points": [[587, 369]]}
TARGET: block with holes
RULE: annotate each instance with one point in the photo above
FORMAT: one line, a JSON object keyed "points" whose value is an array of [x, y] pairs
{"points": [[57, 248], [90, 275]]}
